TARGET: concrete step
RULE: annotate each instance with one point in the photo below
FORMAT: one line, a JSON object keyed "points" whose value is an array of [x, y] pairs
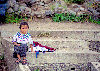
{"points": [[63, 55], [80, 35], [77, 56], [53, 26], [58, 43], [95, 66]]}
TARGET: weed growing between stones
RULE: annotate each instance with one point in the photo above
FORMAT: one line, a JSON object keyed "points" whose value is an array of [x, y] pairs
{"points": [[14, 18], [37, 70], [73, 18], [2, 57]]}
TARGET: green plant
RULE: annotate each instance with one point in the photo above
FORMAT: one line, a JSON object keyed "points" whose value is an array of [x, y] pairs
{"points": [[52, 7], [12, 18], [90, 19], [71, 17], [59, 17], [68, 1], [83, 17], [37, 70], [2, 57]]}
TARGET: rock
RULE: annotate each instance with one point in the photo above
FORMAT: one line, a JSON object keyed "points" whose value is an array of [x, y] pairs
{"points": [[18, 12], [22, 8], [10, 10], [60, 8], [28, 15], [46, 1], [28, 10], [80, 13], [22, 4], [81, 8], [48, 12], [46, 5], [38, 0], [34, 7], [63, 10], [27, 1], [38, 14], [41, 3], [75, 6], [21, 1], [40, 8], [32, 13], [76, 9], [16, 7], [96, 0], [33, 1], [43, 16], [72, 12], [11, 3], [98, 10], [63, 3]]}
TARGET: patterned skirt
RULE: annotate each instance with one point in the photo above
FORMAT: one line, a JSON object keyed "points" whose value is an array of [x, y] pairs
{"points": [[21, 50]]}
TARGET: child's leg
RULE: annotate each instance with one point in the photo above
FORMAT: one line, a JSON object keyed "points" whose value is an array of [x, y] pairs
{"points": [[19, 59], [24, 57], [18, 56]]}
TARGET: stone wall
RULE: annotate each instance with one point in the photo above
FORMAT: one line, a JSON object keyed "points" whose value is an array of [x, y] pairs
{"points": [[43, 8], [8, 55]]}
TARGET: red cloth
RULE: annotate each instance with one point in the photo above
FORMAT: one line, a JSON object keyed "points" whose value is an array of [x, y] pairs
{"points": [[36, 44]]}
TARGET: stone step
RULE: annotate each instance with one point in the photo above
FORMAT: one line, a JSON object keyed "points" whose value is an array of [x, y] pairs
{"points": [[95, 66], [66, 55], [58, 43], [72, 56], [80, 35]]}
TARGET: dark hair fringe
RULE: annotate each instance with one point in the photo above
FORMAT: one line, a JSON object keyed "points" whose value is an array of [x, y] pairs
{"points": [[23, 23]]}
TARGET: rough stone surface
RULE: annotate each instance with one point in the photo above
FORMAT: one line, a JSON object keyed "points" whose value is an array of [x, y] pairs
{"points": [[22, 8], [16, 7], [28, 10], [47, 1], [57, 6]]}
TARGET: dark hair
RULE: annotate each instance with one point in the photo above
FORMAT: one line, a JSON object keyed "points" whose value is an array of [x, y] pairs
{"points": [[23, 23]]}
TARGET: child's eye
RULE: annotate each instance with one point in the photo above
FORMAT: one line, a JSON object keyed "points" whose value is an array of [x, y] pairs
{"points": [[22, 28]]}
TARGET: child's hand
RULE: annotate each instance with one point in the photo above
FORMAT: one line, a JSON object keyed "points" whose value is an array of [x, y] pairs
{"points": [[18, 44], [34, 52], [31, 50]]}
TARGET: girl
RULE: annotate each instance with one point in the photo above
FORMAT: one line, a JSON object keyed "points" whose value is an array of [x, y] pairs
{"points": [[20, 41]]}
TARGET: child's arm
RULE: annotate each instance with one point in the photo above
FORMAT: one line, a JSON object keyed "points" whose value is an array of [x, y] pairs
{"points": [[14, 40], [16, 44], [31, 47]]}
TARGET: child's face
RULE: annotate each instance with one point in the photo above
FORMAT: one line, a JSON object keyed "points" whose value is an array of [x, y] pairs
{"points": [[24, 29]]}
